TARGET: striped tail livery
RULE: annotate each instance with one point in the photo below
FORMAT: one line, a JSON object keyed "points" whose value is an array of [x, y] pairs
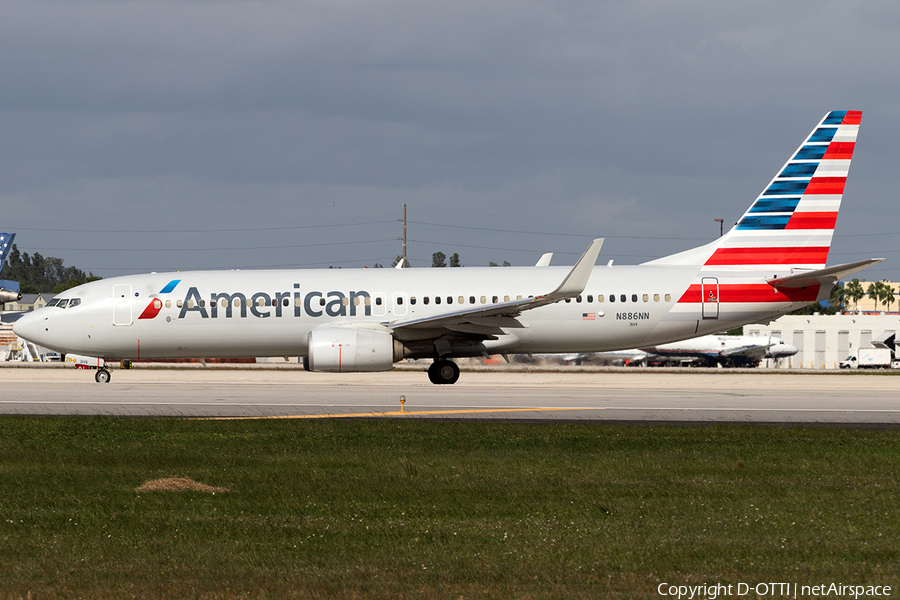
{"points": [[775, 254]]}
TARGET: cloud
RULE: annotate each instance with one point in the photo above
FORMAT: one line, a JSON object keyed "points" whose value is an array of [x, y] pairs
{"points": [[645, 119]]}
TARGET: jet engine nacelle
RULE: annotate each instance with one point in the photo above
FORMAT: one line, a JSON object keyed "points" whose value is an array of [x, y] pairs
{"points": [[8, 296], [781, 351], [349, 349]]}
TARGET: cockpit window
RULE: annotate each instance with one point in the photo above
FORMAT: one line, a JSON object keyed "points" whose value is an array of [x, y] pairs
{"points": [[64, 302]]}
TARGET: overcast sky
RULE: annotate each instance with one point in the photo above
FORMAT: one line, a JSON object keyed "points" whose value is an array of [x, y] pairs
{"points": [[148, 136]]}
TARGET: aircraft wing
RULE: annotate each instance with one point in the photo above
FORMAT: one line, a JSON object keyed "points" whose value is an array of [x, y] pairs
{"points": [[751, 351], [488, 320], [828, 276]]}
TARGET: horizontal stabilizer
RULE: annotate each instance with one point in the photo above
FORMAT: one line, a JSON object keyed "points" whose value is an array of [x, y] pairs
{"points": [[822, 276]]}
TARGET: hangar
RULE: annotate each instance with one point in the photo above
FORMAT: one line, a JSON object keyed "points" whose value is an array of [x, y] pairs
{"points": [[825, 340]]}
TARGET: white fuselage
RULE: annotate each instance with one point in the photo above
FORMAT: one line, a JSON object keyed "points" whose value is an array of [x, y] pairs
{"points": [[231, 313]]}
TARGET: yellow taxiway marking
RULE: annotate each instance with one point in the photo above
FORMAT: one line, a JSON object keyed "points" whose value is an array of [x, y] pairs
{"points": [[399, 413]]}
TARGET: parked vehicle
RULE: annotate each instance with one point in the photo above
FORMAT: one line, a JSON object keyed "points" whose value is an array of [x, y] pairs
{"points": [[868, 358]]}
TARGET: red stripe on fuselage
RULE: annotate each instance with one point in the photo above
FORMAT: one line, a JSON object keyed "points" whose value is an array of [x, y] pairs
{"points": [[807, 255], [826, 185], [751, 292], [812, 220]]}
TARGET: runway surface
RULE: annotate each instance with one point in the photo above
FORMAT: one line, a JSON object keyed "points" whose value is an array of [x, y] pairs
{"points": [[654, 396]]}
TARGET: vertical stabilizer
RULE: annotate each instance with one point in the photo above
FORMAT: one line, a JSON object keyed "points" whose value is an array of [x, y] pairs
{"points": [[791, 223], [6, 242]]}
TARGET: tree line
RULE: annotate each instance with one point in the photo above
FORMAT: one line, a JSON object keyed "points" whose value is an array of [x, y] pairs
{"points": [[846, 295], [36, 273]]}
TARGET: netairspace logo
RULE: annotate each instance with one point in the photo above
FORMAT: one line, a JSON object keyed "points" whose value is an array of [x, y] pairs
{"points": [[772, 590]]}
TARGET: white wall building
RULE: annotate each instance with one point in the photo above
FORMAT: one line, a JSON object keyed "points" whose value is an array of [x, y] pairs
{"points": [[824, 340]]}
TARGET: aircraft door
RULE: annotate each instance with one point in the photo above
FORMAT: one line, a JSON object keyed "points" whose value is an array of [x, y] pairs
{"points": [[709, 297], [122, 304]]}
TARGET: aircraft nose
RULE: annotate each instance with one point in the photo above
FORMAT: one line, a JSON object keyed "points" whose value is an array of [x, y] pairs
{"points": [[30, 327]]}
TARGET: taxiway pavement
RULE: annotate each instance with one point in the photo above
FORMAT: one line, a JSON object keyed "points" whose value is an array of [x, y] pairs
{"points": [[646, 396]]}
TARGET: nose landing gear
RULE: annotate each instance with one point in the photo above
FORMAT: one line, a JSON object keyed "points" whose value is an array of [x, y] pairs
{"points": [[102, 376]]}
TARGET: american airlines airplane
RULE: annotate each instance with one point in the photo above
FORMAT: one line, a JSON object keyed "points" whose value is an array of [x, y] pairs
{"points": [[353, 320]]}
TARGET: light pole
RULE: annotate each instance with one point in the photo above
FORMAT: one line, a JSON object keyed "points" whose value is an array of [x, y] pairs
{"points": [[721, 223]]}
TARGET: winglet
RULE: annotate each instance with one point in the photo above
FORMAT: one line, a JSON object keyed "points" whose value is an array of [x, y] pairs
{"points": [[577, 279], [545, 260]]}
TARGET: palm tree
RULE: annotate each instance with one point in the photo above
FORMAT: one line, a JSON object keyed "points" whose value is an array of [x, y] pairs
{"points": [[836, 302], [874, 293], [887, 294], [853, 291]]}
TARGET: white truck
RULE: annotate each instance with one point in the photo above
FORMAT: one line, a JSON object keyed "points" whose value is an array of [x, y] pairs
{"points": [[868, 358]]}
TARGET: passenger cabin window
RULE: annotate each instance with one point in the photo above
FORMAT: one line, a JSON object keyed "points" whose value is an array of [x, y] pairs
{"points": [[399, 299], [656, 297], [590, 298], [623, 297], [377, 301], [578, 299], [437, 299], [600, 298], [494, 299], [612, 297], [646, 298], [412, 300], [634, 297], [471, 299], [425, 300], [668, 297]]}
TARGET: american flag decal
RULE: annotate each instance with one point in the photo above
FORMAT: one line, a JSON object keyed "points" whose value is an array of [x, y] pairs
{"points": [[588, 316]]}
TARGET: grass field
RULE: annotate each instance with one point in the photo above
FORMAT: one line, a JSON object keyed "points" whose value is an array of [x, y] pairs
{"points": [[424, 509]]}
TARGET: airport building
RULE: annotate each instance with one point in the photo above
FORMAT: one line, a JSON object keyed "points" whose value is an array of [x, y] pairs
{"points": [[825, 340]]}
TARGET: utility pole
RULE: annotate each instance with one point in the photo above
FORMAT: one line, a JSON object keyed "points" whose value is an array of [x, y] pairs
{"points": [[406, 262], [721, 223]]}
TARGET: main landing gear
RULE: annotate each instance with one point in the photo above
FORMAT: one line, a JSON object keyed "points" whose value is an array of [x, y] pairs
{"points": [[102, 376], [443, 372]]}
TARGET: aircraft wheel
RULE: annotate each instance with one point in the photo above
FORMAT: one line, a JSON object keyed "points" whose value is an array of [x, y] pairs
{"points": [[102, 376], [443, 372]]}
